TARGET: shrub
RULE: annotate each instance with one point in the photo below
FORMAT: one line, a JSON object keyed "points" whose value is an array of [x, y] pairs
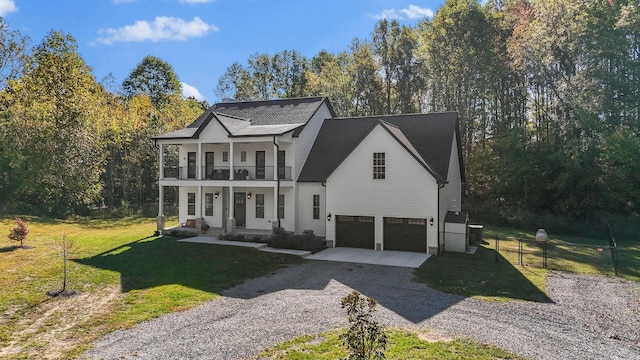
{"points": [[364, 338], [307, 241], [181, 234], [20, 231]]}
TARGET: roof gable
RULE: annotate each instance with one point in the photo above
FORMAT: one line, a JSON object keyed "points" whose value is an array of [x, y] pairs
{"points": [[255, 118], [427, 137]]}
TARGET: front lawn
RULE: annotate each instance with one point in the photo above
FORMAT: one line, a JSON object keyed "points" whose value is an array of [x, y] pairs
{"points": [[123, 274], [401, 344]]}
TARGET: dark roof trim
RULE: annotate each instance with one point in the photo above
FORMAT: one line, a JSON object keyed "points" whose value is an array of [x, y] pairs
{"points": [[324, 101], [355, 145], [204, 125], [405, 143], [460, 161]]}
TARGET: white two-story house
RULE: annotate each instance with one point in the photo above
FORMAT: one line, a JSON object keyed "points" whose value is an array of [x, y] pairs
{"points": [[380, 182]]}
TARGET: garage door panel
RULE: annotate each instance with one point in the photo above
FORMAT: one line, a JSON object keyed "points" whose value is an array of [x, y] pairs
{"points": [[355, 231], [405, 234]]}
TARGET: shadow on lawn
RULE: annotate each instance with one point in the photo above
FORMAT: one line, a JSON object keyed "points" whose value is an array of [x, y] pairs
{"points": [[152, 262], [480, 275], [156, 261], [9, 248]]}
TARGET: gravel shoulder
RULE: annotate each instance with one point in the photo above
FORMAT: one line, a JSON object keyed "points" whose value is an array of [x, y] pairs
{"points": [[589, 318]]}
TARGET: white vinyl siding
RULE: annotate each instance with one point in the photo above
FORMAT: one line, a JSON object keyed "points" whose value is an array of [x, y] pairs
{"points": [[409, 190]]}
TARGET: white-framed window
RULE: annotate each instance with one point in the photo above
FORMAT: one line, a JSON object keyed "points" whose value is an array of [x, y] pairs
{"points": [[191, 204], [316, 207], [259, 206], [281, 206], [378, 165], [225, 156], [208, 204], [243, 156]]}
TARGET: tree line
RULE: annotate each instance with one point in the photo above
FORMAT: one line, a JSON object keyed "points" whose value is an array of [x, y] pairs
{"points": [[548, 94], [68, 142]]}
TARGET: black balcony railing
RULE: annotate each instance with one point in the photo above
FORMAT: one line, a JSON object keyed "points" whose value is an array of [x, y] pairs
{"points": [[224, 172]]}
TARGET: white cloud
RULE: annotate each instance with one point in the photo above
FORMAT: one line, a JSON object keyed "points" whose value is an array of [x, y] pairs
{"points": [[163, 28], [191, 2], [188, 90], [411, 12], [7, 6], [416, 12]]}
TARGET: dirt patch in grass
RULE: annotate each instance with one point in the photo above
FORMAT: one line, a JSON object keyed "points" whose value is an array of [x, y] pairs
{"points": [[42, 329]]}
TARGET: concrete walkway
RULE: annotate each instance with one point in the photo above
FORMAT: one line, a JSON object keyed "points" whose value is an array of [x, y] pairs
{"points": [[364, 256], [352, 255]]}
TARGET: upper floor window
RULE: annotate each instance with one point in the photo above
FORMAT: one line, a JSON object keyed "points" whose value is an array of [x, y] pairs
{"points": [[378, 166]]}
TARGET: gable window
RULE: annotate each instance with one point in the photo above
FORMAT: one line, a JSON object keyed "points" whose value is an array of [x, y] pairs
{"points": [[316, 207], [378, 166], [208, 204], [259, 206], [225, 156], [281, 206], [243, 156], [191, 204]]}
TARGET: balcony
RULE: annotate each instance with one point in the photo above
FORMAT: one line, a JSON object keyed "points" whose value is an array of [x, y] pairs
{"points": [[241, 173]]}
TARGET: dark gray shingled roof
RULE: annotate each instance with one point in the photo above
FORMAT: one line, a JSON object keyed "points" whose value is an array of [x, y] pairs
{"points": [[430, 135], [269, 116], [268, 112]]}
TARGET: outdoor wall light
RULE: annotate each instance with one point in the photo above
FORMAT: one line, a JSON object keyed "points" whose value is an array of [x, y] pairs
{"points": [[329, 217], [431, 221], [248, 195], [216, 195]]}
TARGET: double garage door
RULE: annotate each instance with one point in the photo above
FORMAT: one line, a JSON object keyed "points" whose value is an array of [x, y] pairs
{"points": [[402, 234]]}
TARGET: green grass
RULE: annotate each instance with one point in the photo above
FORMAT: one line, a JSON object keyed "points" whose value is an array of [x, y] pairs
{"points": [[480, 276], [124, 277], [569, 253], [401, 345]]}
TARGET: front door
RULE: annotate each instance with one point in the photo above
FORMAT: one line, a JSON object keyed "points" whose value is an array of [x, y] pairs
{"points": [[208, 161], [240, 208], [260, 160]]}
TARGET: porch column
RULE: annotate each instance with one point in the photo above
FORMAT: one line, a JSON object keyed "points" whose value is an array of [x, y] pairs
{"points": [[199, 162], [199, 213], [160, 220], [161, 168], [231, 170], [231, 221]]}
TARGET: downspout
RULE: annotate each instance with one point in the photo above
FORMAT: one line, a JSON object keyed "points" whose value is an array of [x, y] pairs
{"points": [[278, 181], [440, 186]]}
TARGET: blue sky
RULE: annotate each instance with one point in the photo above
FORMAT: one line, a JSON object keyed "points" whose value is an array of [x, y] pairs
{"points": [[201, 38]]}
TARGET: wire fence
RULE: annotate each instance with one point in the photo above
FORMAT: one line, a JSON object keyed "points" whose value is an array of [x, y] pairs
{"points": [[559, 255]]}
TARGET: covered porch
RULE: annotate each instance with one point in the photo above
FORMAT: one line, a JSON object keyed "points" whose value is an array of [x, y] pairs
{"points": [[249, 210]]}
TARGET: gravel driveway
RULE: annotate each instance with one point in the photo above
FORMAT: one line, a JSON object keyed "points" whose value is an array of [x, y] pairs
{"points": [[590, 317]]}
